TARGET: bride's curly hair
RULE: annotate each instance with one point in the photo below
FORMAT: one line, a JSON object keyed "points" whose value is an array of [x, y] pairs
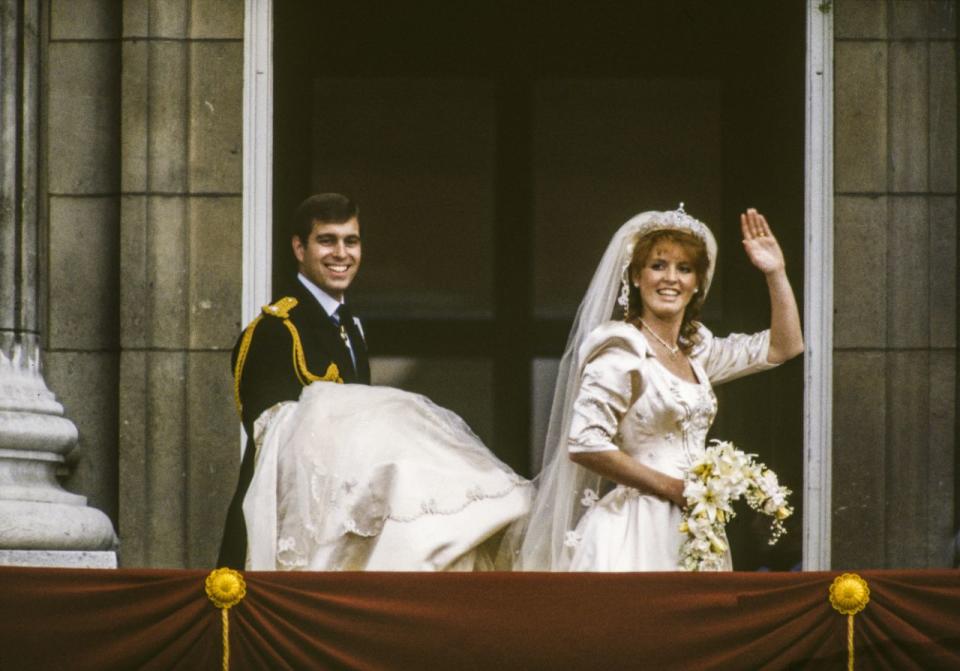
{"points": [[695, 247]]}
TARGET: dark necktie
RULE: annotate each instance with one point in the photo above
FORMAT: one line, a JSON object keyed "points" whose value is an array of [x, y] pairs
{"points": [[349, 332]]}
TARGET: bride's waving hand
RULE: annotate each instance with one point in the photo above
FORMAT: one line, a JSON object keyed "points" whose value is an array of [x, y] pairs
{"points": [[763, 250]]}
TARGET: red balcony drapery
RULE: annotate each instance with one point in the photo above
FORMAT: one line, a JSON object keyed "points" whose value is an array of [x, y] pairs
{"points": [[162, 619]]}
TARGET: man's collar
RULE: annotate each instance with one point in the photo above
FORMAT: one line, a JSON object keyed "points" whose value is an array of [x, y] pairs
{"points": [[327, 302]]}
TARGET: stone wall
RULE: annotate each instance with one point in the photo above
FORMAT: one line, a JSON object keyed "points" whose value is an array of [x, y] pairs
{"points": [[82, 208], [180, 270], [145, 236], [895, 358]]}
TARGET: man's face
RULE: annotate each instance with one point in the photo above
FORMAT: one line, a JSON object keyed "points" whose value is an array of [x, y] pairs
{"points": [[331, 256]]}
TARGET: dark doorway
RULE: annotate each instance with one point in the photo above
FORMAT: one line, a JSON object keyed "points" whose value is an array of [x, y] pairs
{"points": [[494, 147]]}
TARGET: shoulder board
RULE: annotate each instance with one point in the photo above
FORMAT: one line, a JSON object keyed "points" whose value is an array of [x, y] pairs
{"points": [[281, 308]]}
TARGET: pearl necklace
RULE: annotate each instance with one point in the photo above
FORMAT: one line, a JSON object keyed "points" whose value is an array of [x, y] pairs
{"points": [[673, 351]]}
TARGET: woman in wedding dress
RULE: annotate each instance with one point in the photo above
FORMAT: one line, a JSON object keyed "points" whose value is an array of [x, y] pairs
{"points": [[353, 477], [634, 401]]}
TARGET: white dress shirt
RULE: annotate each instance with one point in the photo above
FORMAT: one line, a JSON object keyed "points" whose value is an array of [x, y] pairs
{"points": [[330, 306]]}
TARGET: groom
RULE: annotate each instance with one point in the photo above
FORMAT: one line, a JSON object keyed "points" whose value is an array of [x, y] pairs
{"points": [[308, 335]]}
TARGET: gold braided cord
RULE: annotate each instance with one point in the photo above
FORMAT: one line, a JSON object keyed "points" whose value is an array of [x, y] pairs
{"points": [[241, 360], [225, 588], [849, 642], [300, 361], [281, 310], [849, 594], [225, 620], [332, 374]]}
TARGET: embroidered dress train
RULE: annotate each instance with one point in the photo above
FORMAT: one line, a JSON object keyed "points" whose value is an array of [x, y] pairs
{"points": [[354, 477], [629, 401]]}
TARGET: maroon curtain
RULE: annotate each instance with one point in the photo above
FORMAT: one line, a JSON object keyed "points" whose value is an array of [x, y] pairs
{"points": [[155, 619]]}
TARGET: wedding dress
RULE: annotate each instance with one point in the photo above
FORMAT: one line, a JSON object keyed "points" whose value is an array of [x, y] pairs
{"points": [[629, 401], [353, 477]]}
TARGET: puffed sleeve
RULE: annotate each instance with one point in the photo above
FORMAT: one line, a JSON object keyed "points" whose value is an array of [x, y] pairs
{"points": [[734, 356], [609, 384]]}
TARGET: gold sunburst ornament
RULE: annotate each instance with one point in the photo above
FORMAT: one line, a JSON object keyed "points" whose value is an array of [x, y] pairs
{"points": [[225, 588], [849, 594]]}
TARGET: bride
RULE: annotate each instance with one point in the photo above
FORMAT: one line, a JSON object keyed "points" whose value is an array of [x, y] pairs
{"points": [[353, 477], [634, 396]]}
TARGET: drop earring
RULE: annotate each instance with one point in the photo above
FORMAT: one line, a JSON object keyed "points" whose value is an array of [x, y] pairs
{"points": [[624, 299]]}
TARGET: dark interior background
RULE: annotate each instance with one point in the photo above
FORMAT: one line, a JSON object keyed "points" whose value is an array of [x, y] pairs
{"points": [[494, 147]]}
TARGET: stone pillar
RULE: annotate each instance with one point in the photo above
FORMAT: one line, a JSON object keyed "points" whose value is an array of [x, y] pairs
{"points": [[895, 288], [40, 522], [180, 277]]}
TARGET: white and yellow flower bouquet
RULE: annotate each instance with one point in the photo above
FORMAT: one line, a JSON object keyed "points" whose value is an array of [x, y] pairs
{"points": [[713, 483]]}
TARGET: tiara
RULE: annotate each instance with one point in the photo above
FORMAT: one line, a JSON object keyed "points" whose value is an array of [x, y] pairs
{"points": [[675, 220]]}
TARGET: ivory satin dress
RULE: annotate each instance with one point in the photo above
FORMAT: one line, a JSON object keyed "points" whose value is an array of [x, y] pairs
{"points": [[629, 401], [354, 477]]}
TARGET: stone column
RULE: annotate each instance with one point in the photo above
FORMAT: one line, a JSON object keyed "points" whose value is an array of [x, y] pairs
{"points": [[180, 277], [895, 288], [40, 522]]}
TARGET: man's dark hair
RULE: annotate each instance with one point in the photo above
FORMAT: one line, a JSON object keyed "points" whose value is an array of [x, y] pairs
{"points": [[328, 208]]}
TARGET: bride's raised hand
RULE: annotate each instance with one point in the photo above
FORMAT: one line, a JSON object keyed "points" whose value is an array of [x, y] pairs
{"points": [[762, 248]]}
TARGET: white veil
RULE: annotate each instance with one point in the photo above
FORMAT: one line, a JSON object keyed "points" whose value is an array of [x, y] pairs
{"points": [[557, 507]]}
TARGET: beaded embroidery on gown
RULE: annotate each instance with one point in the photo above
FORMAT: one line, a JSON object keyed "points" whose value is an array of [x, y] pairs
{"points": [[354, 477], [629, 401]]}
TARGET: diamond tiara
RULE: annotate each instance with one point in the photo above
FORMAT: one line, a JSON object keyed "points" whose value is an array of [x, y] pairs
{"points": [[676, 220]]}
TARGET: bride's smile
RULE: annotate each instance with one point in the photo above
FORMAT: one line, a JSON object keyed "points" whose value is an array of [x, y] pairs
{"points": [[667, 281]]}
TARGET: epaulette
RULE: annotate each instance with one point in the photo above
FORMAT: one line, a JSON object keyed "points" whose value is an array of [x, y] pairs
{"points": [[281, 310]]}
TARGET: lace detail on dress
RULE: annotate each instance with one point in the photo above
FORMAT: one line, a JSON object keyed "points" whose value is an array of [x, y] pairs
{"points": [[287, 554], [350, 527], [623, 493], [364, 510], [431, 507], [597, 434], [591, 438], [697, 416]]}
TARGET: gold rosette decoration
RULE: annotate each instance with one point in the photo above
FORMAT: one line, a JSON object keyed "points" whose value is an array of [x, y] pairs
{"points": [[225, 588], [849, 594]]}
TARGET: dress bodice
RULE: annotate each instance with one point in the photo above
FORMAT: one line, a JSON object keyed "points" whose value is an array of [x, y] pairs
{"points": [[666, 427], [629, 401]]}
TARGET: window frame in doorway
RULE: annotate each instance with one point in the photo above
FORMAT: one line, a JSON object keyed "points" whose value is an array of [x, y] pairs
{"points": [[818, 232]]}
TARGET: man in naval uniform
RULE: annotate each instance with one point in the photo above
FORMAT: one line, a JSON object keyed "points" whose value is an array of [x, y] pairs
{"points": [[306, 336]]}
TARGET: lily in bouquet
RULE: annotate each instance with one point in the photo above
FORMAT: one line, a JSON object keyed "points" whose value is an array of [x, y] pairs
{"points": [[713, 483]]}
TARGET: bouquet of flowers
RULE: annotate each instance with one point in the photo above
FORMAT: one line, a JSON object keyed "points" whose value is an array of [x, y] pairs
{"points": [[714, 482]]}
